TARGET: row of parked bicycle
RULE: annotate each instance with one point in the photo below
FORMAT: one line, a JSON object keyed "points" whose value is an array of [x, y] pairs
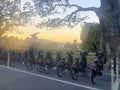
{"points": [[45, 63]]}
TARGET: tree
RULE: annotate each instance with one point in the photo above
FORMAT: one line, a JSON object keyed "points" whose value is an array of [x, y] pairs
{"points": [[12, 15], [8, 14], [108, 14], [90, 37]]}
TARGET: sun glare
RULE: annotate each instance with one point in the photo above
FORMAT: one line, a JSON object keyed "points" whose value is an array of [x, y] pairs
{"points": [[59, 35]]}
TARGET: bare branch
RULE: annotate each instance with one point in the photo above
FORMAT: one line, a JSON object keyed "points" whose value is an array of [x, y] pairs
{"points": [[70, 19], [67, 5], [79, 8]]}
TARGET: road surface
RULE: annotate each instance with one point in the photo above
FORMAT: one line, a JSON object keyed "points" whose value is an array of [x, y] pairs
{"points": [[19, 78]]}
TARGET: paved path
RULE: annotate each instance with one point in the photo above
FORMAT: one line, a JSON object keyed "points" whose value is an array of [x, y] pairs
{"points": [[21, 79]]}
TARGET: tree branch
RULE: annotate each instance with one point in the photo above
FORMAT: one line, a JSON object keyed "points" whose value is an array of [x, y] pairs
{"points": [[79, 8], [71, 18]]}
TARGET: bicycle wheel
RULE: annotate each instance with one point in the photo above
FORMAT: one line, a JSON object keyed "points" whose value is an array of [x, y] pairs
{"points": [[60, 71], [30, 65], [47, 67], [74, 74], [39, 67], [93, 79]]}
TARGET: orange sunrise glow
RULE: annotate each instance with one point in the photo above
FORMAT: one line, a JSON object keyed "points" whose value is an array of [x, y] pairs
{"points": [[61, 35]]}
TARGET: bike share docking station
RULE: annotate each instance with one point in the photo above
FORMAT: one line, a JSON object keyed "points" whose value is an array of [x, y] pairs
{"points": [[115, 80]]}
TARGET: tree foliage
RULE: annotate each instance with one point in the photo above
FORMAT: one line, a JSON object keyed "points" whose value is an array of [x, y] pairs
{"points": [[13, 15], [90, 37]]}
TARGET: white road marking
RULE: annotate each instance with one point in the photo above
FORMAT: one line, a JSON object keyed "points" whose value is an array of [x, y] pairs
{"points": [[50, 78]]}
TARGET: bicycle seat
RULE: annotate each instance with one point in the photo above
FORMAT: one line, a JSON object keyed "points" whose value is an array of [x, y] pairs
{"points": [[76, 58]]}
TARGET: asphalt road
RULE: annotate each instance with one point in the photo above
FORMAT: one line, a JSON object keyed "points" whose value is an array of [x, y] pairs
{"points": [[19, 78]]}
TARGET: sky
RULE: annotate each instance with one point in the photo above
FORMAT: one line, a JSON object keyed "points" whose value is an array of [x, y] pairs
{"points": [[64, 34]]}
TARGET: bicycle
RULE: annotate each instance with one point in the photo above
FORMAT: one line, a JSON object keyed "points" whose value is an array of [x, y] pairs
{"points": [[75, 69], [79, 67], [48, 63], [94, 69], [29, 60], [30, 63], [97, 67], [40, 62], [62, 65]]}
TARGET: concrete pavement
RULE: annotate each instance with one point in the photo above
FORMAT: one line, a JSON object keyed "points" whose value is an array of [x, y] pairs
{"points": [[22, 79]]}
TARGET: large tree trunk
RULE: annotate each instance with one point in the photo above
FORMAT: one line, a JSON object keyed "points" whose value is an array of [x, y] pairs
{"points": [[109, 18], [110, 32]]}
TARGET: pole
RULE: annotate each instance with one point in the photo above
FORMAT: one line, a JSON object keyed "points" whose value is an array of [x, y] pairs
{"points": [[112, 75], [117, 71], [8, 61]]}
